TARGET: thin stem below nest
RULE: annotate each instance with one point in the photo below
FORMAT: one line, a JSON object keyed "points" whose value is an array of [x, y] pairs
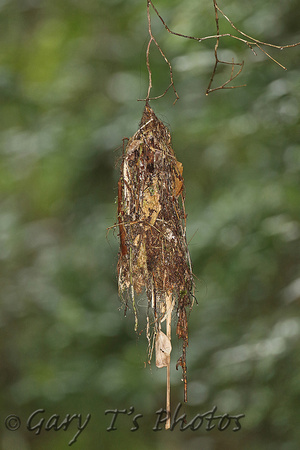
{"points": [[168, 333]]}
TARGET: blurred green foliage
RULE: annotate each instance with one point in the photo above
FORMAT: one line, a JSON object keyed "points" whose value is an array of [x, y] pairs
{"points": [[70, 74]]}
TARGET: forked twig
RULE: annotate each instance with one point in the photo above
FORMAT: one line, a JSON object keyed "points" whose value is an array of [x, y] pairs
{"points": [[218, 61], [152, 39], [244, 38]]}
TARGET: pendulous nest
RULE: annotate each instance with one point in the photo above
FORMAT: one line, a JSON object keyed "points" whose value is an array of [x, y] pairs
{"points": [[153, 253]]}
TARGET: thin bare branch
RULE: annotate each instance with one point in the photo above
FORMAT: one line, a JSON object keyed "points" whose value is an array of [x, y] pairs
{"points": [[271, 57], [246, 39], [280, 47], [152, 39]]}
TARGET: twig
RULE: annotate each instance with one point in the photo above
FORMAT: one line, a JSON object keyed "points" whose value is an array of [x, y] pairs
{"points": [[152, 39], [218, 61], [280, 47]]}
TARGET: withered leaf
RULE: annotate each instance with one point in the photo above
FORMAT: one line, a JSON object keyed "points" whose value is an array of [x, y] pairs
{"points": [[163, 349]]}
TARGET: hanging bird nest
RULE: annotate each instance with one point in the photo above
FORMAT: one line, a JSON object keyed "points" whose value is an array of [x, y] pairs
{"points": [[153, 253]]}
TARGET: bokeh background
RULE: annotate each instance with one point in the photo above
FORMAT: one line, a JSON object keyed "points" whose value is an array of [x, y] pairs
{"points": [[71, 72]]}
